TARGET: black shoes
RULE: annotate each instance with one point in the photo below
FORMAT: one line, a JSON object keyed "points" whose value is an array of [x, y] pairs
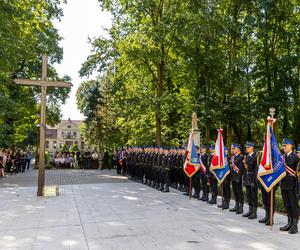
{"points": [[294, 227], [240, 209], [235, 208], [288, 226], [266, 218], [225, 205], [212, 201], [254, 214], [249, 212]]}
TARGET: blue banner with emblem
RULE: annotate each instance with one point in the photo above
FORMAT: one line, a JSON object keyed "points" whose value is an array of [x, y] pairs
{"points": [[271, 169]]}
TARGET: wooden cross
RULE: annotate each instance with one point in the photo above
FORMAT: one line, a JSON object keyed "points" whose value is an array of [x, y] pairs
{"points": [[43, 83]]}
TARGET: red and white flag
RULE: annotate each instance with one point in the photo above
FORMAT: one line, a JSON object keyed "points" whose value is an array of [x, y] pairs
{"points": [[192, 160]]}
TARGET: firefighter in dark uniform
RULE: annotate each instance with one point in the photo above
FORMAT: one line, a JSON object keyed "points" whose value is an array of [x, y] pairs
{"points": [[226, 185], [196, 182], [288, 187], [160, 183], [213, 182], [182, 180], [237, 167], [205, 187], [151, 167], [250, 180], [298, 173], [265, 197], [176, 168], [166, 167], [173, 181], [146, 165]]}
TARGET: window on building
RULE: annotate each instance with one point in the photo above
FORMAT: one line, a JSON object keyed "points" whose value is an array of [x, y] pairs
{"points": [[54, 144], [74, 134], [47, 144]]}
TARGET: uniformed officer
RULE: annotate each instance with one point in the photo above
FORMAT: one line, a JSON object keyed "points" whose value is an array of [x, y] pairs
{"points": [[160, 169], [196, 182], [288, 187], [237, 167], [181, 174], [226, 185], [298, 173], [203, 176], [250, 180], [166, 162], [213, 182]]}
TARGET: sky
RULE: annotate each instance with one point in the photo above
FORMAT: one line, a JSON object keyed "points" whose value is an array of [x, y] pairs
{"points": [[82, 19]]}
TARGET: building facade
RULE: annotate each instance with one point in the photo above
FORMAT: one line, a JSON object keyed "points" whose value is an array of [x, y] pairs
{"points": [[66, 132]]}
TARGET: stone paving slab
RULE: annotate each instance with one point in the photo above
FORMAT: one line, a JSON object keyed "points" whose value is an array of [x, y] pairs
{"points": [[62, 177], [127, 215]]}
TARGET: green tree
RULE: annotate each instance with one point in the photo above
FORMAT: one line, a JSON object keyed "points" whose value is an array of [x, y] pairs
{"points": [[27, 31]]}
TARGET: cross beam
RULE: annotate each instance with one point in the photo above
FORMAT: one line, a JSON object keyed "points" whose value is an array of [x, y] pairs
{"points": [[43, 83]]}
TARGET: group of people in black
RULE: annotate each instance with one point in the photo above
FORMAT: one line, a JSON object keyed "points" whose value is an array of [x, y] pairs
{"points": [[162, 168], [14, 161], [80, 159]]}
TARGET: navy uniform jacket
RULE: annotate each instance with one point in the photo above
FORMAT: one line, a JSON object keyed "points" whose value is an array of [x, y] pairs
{"points": [[250, 174], [209, 158], [289, 182], [236, 175], [204, 159], [160, 160], [165, 161], [298, 173]]}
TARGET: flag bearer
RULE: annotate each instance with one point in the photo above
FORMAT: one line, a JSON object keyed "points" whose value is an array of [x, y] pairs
{"points": [[237, 166], [288, 187], [226, 185], [213, 182], [250, 180]]}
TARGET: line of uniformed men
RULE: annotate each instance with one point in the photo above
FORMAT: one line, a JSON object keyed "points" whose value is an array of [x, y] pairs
{"points": [[162, 167]]}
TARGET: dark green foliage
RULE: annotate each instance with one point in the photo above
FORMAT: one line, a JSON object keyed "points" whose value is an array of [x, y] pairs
{"points": [[26, 32], [229, 61]]}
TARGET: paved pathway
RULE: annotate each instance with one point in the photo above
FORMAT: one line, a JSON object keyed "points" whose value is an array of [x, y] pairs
{"points": [[118, 214], [62, 177]]}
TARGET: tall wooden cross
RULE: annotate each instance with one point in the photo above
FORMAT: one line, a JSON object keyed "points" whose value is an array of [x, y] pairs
{"points": [[43, 83]]}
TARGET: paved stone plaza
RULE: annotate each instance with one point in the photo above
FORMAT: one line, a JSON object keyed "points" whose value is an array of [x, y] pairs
{"points": [[99, 210]]}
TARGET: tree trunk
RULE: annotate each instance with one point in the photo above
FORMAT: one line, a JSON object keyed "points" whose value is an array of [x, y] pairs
{"points": [[160, 68]]}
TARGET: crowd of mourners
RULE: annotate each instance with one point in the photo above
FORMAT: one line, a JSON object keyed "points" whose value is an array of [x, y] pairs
{"points": [[13, 161]]}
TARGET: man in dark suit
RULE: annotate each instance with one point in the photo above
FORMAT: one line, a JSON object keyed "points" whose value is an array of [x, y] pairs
{"points": [[288, 187], [196, 182], [226, 185], [213, 182], [250, 180], [298, 173], [237, 167], [204, 159]]}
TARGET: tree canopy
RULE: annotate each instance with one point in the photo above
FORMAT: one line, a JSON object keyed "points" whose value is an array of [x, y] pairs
{"points": [[227, 60], [27, 32]]}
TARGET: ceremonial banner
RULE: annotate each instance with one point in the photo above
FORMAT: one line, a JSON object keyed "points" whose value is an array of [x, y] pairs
{"points": [[192, 161], [271, 169], [219, 166]]}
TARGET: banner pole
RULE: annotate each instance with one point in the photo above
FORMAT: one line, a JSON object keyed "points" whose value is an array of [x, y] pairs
{"points": [[222, 185], [272, 113], [190, 188], [271, 208]]}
